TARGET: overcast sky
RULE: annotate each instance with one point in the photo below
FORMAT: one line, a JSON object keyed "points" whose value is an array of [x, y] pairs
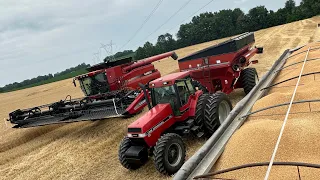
{"points": [[38, 37]]}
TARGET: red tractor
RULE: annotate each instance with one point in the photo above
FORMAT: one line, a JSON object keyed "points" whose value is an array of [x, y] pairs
{"points": [[180, 103], [111, 90], [176, 109]]}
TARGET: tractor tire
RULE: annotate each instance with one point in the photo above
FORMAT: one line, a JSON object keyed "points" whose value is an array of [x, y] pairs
{"points": [[200, 110], [211, 111], [124, 146], [198, 85], [217, 109], [169, 153], [249, 78]]}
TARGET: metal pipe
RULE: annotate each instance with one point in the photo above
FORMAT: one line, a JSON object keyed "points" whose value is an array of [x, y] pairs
{"points": [[150, 60]]}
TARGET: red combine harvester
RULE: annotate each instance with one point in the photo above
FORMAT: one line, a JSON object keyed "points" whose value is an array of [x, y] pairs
{"points": [[178, 107], [111, 90]]}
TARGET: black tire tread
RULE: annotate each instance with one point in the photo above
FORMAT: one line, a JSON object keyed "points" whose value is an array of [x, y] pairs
{"points": [[248, 79], [159, 152], [124, 146]]}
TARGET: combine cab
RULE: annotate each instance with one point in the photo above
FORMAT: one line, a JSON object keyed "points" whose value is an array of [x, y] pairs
{"points": [[111, 90]]}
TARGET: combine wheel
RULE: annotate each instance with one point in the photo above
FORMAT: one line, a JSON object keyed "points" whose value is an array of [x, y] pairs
{"points": [[124, 160], [198, 85], [216, 109], [169, 154], [249, 78]]}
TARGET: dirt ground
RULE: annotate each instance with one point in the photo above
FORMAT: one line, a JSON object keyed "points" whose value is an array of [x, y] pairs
{"points": [[89, 150]]}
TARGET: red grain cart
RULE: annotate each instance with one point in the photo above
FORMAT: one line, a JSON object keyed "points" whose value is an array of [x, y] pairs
{"points": [[221, 67]]}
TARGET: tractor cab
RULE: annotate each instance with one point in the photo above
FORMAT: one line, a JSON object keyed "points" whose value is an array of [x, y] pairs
{"points": [[174, 89], [93, 83]]}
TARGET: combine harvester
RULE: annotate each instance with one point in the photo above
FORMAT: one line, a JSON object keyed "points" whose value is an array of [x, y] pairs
{"points": [[111, 90], [275, 134], [177, 108]]}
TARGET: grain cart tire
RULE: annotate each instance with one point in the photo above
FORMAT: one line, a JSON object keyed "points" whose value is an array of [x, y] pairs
{"points": [[199, 116], [216, 110], [198, 85], [249, 78], [169, 153], [125, 162]]}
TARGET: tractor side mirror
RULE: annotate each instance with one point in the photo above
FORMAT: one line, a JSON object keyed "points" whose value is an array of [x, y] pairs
{"points": [[74, 83]]}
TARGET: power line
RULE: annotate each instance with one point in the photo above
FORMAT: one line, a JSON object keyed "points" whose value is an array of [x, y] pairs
{"points": [[145, 21], [183, 6], [189, 16]]}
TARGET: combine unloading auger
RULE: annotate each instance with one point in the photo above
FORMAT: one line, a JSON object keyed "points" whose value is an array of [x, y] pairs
{"points": [[111, 90]]}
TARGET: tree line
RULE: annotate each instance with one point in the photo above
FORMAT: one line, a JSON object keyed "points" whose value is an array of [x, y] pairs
{"points": [[68, 73], [209, 26]]}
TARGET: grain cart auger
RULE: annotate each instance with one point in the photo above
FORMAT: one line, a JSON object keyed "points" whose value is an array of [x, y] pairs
{"points": [[176, 109], [111, 89], [223, 67]]}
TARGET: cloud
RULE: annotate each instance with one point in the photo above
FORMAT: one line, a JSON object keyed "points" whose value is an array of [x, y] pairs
{"points": [[240, 1]]}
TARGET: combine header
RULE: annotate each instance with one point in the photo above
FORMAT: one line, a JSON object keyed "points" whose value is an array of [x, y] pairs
{"points": [[180, 103], [111, 90]]}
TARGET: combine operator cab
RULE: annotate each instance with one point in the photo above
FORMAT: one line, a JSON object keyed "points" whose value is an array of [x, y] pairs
{"points": [[93, 84], [176, 109]]}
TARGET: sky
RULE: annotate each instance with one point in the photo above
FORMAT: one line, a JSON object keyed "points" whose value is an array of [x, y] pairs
{"points": [[38, 37]]}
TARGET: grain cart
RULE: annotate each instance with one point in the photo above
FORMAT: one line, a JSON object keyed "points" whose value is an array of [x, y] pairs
{"points": [[222, 67], [176, 109], [181, 103], [111, 90]]}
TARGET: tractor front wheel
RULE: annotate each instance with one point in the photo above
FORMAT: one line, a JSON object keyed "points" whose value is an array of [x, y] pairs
{"points": [[249, 78], [169, 153], [124, 160]]}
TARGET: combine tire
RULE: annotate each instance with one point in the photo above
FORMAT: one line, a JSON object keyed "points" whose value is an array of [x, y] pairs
{"points": [[211, 111], [198, 85], [249, 78], [124, 146], [169, 154]]}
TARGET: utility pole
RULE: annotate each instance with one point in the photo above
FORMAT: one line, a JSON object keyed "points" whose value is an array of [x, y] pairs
{"points": [[110, 46]]}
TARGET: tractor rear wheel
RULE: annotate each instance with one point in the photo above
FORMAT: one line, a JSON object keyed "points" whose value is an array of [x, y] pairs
{"points": [[211, 111], [200, 110], [169, 153], [217, 109], [249, 78], [124, 146]]}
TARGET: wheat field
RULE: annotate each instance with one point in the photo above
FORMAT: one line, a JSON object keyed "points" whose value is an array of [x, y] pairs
{"points": [[89, 150]]}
